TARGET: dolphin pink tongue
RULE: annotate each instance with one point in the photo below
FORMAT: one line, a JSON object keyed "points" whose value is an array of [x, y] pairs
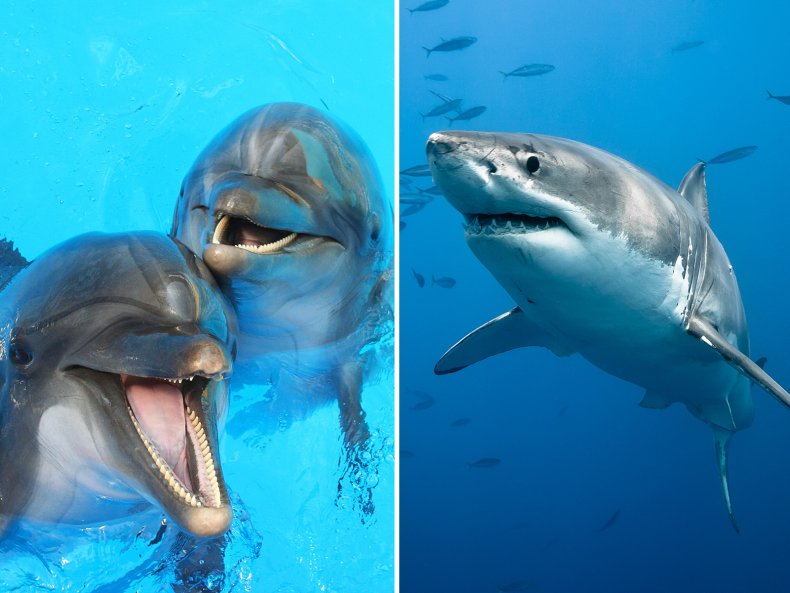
{"points": [[159, 409]]}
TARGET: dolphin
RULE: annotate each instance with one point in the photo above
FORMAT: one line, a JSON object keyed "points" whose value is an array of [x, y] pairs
{"points": [[604, 260], [287, 209], [115, 352]]}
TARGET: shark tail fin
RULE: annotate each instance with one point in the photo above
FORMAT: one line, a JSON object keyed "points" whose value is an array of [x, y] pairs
{"points": [[721, 438], [428, 55], [770, 96], [504, 74]]}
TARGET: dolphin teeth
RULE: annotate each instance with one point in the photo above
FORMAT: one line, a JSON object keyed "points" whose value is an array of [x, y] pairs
{"points": [[219, 231], [270, 247]]}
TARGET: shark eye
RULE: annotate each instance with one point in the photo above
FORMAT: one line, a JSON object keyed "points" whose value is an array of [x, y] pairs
{"points": [[533, 164]]}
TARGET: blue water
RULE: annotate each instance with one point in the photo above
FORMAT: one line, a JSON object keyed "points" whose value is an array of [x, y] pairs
{"points": [[104, 108], [575, 446]]}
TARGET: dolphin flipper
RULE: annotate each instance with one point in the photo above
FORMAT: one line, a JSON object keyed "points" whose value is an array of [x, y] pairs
{"points": [[722, 438], [701, 328], [11, 261], [508, 331], [692, 187]]}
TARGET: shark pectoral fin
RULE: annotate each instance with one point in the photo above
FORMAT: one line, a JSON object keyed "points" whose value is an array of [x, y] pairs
{"points": [[692, 187], [721, 438], [506, 332], [654, 401], [701, 328]]}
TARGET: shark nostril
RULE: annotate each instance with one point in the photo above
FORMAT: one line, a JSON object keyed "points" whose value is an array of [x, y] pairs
{"points": [[442, 147]]}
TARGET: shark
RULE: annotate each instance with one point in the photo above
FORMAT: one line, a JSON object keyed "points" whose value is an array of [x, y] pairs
{"points": [[286, 207], [115, 357], [604, 260]]}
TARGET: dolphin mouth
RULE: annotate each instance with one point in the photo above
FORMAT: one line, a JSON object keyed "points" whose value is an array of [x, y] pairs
{"points": [[246, 234], [169, 419], [509, 223]]}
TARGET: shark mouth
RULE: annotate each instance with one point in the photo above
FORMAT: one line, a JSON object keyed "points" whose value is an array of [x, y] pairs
{"points": [[508, 223], [168, 416], [251, 236]]}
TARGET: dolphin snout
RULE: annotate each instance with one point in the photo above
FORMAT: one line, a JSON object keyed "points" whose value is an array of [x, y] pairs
{"points": [[206, 357]]}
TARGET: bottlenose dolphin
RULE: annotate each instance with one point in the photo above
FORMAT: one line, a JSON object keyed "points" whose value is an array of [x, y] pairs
{"points": [[605, 260], [286, 207], [114, 357]]}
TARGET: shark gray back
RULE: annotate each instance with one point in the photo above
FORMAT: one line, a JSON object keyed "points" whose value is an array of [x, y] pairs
{"points": [[287, 209], [605, 260], [114, 357]]}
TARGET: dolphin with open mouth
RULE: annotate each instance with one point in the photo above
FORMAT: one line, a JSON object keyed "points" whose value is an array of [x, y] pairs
{"points": [[605, 260], [115, 352], [287, 209]]}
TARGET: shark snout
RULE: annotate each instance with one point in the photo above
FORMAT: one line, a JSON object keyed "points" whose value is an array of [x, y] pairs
{"points": [[442, 143]]}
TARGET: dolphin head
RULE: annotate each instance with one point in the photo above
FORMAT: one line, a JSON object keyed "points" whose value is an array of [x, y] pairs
{"points": [[287, 209], [114, 353]]}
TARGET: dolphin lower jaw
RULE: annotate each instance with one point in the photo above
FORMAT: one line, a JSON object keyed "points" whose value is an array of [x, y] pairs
{"points": [[168, 417]]}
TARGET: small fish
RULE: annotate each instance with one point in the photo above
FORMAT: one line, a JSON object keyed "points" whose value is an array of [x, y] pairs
{"points": [[529, 70], [444, 98], [432, 191], [426, 400], [468, 114], [418, 277], [454, 44], [686, 45], [424, 405], [412, 209], [731, 155], [417, 171], [436, 77], [402, 224], [454, 105], [610, 521], [411, 198], [781, 98], [404, 454], [444, 281], [515, 586], [430, 5], [460, 422], [485, 463]]}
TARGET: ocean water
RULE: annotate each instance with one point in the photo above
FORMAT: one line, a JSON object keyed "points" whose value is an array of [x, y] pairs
{"points": [[593, 493], [104, 108]]}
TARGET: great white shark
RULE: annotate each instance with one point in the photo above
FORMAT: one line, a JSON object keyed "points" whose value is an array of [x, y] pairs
{"points": [[115, 353], [286, 207], [604, 260]]}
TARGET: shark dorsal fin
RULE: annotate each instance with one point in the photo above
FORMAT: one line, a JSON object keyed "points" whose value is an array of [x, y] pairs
{"points": [[692, 187], [510, 330], [11, 261]]}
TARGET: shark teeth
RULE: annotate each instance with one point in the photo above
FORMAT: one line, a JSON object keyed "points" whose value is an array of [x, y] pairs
{"points": [[505, 224], [221, 231]]}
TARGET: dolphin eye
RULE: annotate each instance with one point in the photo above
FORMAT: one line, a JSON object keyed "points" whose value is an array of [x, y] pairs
{"points": [[533, 164], [20, 354]]}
